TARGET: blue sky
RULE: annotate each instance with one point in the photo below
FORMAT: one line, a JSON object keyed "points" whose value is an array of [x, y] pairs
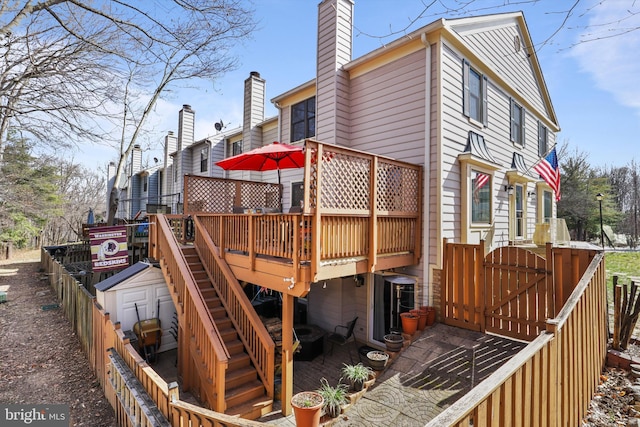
{"points": [[595, 99]]}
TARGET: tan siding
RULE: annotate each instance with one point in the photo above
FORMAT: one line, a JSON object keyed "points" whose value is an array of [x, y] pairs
{"points": [[388, 109]]}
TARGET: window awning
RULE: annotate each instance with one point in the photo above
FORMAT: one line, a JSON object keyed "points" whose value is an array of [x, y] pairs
{"points": [[476, 152], [519, 171]]}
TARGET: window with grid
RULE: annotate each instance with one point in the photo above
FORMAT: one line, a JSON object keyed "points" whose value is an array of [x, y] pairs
{"points": [[303, 119], [236, 148], [474, 100], [517, 123]]}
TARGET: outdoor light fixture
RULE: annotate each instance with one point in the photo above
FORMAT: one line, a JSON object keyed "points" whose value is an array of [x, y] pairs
{"points": [[599, 198], [509, 189], [531, 194]]}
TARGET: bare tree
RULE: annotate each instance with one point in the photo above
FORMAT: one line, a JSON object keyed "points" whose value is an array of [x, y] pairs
{"points": [[147, 47], [53, 89]]}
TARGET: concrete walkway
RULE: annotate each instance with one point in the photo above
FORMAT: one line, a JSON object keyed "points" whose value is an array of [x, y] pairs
{"points": [[440, 366]]}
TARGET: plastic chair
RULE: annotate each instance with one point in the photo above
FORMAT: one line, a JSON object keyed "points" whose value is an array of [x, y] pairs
{"points": [[341, 335]]}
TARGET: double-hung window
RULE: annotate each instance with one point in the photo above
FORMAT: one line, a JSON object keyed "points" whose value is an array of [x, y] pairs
{"points": [[517, 123], [543, 138], [474, 100], [303, 119], [204, 159]]}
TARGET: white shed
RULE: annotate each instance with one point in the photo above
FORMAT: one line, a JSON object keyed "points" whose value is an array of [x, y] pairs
{"points": [[141, 284]]}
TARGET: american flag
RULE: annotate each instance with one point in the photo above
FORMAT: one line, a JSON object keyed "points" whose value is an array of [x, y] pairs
{"points": [[479, 182], [549, 171]]}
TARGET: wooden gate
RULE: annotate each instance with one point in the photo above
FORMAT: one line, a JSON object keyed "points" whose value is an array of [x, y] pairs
{"points": [[508, 292], [517, 284]]}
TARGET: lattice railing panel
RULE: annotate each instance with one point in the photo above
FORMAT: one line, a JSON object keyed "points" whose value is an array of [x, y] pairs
{"points": [[345, 182], [397, 188], [217, 195]]}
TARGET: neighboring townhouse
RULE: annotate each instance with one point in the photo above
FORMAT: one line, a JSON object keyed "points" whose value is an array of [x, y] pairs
{"points": [[463, 98]]}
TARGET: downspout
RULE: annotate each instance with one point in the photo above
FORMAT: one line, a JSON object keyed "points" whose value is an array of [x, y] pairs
{"points": [[426, 241]]}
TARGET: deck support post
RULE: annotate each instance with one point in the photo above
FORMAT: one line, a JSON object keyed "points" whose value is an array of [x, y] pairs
{"points": [[287, 353]]}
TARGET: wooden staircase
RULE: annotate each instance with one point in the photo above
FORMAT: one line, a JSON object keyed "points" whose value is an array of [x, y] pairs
{"points": [[245, 394]]}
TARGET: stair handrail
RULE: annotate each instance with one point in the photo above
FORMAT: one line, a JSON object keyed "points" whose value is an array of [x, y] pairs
{"points": [[215, 358], [251, 330]]}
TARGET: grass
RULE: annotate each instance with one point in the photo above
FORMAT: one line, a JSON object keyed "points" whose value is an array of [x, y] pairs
{"points": [[623, 264]]}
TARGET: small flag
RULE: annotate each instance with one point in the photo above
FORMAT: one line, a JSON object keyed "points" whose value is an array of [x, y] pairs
{"points": [[549, 171]]}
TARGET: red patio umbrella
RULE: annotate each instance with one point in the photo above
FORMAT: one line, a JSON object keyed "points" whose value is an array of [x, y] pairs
{"points": [[270, 157]]}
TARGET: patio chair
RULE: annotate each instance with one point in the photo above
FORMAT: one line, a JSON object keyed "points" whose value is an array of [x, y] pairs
{"points": [[341, 335]]}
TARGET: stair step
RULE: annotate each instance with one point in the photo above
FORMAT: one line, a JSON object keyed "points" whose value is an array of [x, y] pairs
{"points": [[209, 292], [212, 302], [223, 323], [218, 313], [238, 361], [234, 347], [239, 395], [228, 334], [237, 377], [252, 409]]}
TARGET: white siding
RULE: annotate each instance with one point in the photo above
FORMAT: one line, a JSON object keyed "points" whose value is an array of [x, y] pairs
{"points": [[496, 46]]}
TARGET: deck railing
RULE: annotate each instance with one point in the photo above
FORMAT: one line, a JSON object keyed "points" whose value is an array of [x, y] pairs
{"points": [[553, 379], [252, 332], [204, 339]]}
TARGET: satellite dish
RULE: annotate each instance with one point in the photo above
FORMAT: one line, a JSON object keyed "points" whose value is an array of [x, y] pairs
{"points": [[219, 125]]}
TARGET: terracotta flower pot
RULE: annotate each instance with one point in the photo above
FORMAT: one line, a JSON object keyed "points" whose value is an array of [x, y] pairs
{"points": [[307, 408], [409, 323], [422, 320], [431, 315]]}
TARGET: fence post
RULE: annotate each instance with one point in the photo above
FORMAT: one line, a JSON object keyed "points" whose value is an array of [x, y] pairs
{"points": [[481, 285]]}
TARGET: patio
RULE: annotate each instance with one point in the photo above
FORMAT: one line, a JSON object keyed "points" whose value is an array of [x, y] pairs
{"points": [[441, 365]]}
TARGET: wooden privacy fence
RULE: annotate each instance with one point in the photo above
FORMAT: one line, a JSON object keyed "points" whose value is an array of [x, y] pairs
{"points": [[100, 338], [551, 381], [511, 291]]}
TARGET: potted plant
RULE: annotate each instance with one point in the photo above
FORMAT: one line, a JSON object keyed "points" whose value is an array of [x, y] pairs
{"points": [[409, 323], [356, 375], [377, 359], [307, 406], [334, 397], [394, 342]]}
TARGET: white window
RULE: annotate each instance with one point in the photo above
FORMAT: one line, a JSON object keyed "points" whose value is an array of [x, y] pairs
{"points": [[543, 139], [204, 159], [547, 206], [519, 212], [474, 100], [517, 123]]}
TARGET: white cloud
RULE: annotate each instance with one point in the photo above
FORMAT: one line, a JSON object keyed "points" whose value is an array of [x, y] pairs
{"points": [[607, 49]]}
